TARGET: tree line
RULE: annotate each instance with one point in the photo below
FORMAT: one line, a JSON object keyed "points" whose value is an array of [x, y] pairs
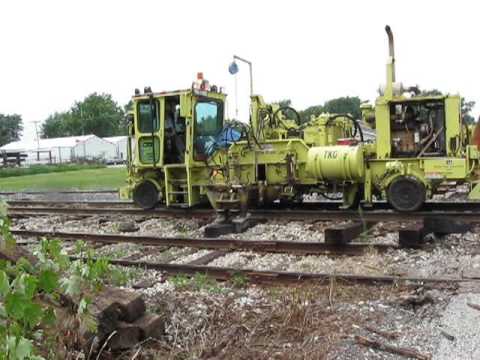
{"points": [[342, 105], [100, 115]]}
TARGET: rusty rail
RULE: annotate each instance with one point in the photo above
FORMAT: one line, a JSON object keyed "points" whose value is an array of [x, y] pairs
{"points": [[263, 246], [471, 216], [286, 277]]}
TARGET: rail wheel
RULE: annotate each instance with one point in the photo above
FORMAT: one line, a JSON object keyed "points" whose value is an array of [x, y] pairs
{"points": [[406, 194], [145, 195]]}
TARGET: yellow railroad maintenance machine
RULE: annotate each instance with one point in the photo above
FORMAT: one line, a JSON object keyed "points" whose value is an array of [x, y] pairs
{"points": [[183, 152]]}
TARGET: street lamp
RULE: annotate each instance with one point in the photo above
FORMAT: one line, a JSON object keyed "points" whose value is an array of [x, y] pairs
{"points": [[233, 69]]}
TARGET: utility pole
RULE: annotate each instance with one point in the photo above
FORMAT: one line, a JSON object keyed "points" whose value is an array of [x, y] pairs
{"points": [[38, 139], [81, 119]]}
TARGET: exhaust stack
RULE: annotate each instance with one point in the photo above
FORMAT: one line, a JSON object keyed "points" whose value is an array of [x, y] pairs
{"points": [[391, 51], [389, 86]]}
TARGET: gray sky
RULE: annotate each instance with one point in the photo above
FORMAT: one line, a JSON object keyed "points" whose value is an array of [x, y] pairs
{"points": [[56, 52]]}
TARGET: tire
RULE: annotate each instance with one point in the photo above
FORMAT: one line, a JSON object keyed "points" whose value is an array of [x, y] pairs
{"points": [[406, 194], [145, 195]]}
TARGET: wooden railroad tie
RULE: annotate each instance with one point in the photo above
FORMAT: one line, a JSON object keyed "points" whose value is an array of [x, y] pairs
{"points": [[344, 233], [414, 235]]}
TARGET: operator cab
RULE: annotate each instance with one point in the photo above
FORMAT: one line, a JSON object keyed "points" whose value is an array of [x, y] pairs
{"points": [[170, 133], [171, 126]]}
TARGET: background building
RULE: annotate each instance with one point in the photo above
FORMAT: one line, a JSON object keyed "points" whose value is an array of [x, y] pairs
{"points": [[65, 149], [120, 143]]}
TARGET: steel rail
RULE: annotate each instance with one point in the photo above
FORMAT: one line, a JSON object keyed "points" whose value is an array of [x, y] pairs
{"points": [[313, 205], [75, 204], [263, 246], [263, 276], [469, 216], [34, 211], [106, 191]]}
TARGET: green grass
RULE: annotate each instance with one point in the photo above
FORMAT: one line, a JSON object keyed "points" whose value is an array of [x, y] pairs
{"points": [[44, 169], [92, 179]]}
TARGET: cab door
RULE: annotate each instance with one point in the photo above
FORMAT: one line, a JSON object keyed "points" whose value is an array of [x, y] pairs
{"points": [[208, 124], [149, 128]]}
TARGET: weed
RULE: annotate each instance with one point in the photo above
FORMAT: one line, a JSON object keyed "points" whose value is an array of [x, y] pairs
{"points": [[181, 228], [29, 295], [122, 275], [180, 281], [202, 281], [239, 280], [198, 282]]}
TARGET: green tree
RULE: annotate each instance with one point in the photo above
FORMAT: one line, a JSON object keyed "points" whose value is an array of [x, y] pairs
{"points": [[284, 102], [341, 105], [344, 105], [97, 114], [11, 127], [128, 106], [314, 110], [467, 107], [55, 125]]}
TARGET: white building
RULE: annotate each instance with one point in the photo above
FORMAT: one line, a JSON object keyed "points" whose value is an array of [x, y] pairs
{"points": [[65, 149], [120, 143]]}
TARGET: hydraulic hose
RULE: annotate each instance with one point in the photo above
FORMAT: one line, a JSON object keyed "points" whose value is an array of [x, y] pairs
{"points": [[298, 121], [355, 124]]}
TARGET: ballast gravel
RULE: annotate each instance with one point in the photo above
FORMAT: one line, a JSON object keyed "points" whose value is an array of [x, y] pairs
{"points": [[462, 322]]}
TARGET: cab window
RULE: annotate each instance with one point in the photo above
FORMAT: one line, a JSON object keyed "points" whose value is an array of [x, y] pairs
{"points": [[208, 125], [148, 120], [149, 151]]}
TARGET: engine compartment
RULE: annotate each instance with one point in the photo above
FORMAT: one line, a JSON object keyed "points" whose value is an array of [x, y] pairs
{"points": [[418, 128]]}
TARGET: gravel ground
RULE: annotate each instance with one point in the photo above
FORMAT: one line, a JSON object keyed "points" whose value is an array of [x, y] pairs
{"points": [[463, 323]]}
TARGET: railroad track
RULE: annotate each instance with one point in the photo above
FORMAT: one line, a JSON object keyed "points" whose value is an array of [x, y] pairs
{"points": [[310, 205], [260, 246], [221, 247], [465, 212]]}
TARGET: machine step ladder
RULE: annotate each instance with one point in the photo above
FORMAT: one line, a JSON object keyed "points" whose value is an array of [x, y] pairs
{"points": [[178, 189]]}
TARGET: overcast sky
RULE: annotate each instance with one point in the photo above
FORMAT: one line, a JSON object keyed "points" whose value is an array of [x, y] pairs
{"points": [[56, 52]]}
